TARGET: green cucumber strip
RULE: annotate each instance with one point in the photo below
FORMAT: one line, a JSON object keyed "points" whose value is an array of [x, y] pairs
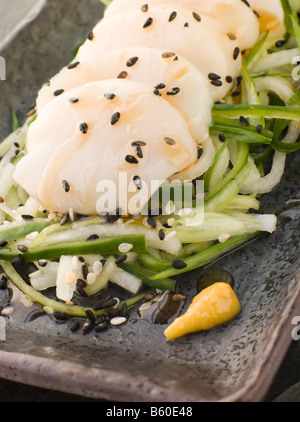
{"points": [[242, 159], [146, 276], [209, 173], [268, 112], [256, 49], [239, 134], [22, 230], [71, 310], [108, 246], [207, 256]]}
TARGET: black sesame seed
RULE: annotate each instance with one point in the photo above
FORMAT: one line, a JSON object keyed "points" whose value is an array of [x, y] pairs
{"points": [[138, 143], [196, 16], [66, 186], [139, 151], [151, 222], [169, 141], [81, 291], [148, 22], [122, 75], [90, 315], [137, 181], [87, 326], [64, 218], [105, 303], [160, 86], [75, 325], [18, 261], [58, 92], [168, 54], [42, 262], [259, 128], [27, 217], [222, 137], [92, 237], [84, 271], [213, 76], [60, 315], [178, 264], [144, 8], [80, 283], [246, 3], [132, 61], [83, 127], [172, 16], [121, 259], [3, 243], [131, 159], [231, 36], [115, 118], [90, 36], [109, 96], [3, 282], [186, 25], [73, 65], [236, 53], [161, 234], [235, 93], [22, 248], [157, 92], [279, 43], [102, 326], [244, 120], [229, 79], [199, 153], [73, 100], [256, 13], [216, 82], [103, 261], [173, 91]]}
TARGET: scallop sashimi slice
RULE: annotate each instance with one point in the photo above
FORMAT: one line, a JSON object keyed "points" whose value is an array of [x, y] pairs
{"points": [[118, 136], [204, 43], [145, 65], [271, 16], [237, 17]]}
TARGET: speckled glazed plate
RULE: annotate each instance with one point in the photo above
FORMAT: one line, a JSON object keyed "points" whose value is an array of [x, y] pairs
{"points": [[233, 362]]}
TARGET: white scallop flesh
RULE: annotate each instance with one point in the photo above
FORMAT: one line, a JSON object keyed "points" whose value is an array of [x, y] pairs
{"points": [[193, 100], [58, 150], [236, 16], [271, 16], [205, 44]]}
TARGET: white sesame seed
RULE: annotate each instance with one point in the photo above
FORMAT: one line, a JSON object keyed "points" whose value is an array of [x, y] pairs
{"points": [[32, 235], [170, 235], [118, 320], [171, 221], [184, 212], [125, 247], [48, 310], [91, 278], [97, 267], [8, 310], [223, 237], [170, 208], [75, 263]]}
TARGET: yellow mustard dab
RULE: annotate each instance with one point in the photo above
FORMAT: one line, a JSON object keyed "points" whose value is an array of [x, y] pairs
{"points": [[213, 306]]}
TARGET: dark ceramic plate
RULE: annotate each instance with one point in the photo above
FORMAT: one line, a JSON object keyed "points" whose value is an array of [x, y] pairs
{"points": [[233, 362]]}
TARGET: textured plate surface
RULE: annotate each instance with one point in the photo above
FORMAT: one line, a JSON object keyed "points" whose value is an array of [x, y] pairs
{"points": [[235, 362]]}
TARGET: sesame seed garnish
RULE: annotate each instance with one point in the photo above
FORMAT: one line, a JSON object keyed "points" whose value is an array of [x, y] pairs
{"points": [[197, 17], [169, 141], [222, 138], [83, 127], [160, 86], [168, 54], [157, 92], [92, 237], [115, 118], [27, 217], [151, 222], [109, 96], [236, 53], [186, 25], [122, 75], [244, 120], [139, 151], [259, 128], [3, 243], [66, 186], [246, 3], [90, 36], [148, 22], [229, 79], [138, 143], [132, 61], [73, 65], [121, 259], [213, 76], [235, 93], [231, 36], [73, 100], [216, 82], [58, 92], [144, 8], [137, 181], [172, 16], [173, 91], [131, 159], [178, 264], [125, 247], [256, 13], [161, 234]]}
